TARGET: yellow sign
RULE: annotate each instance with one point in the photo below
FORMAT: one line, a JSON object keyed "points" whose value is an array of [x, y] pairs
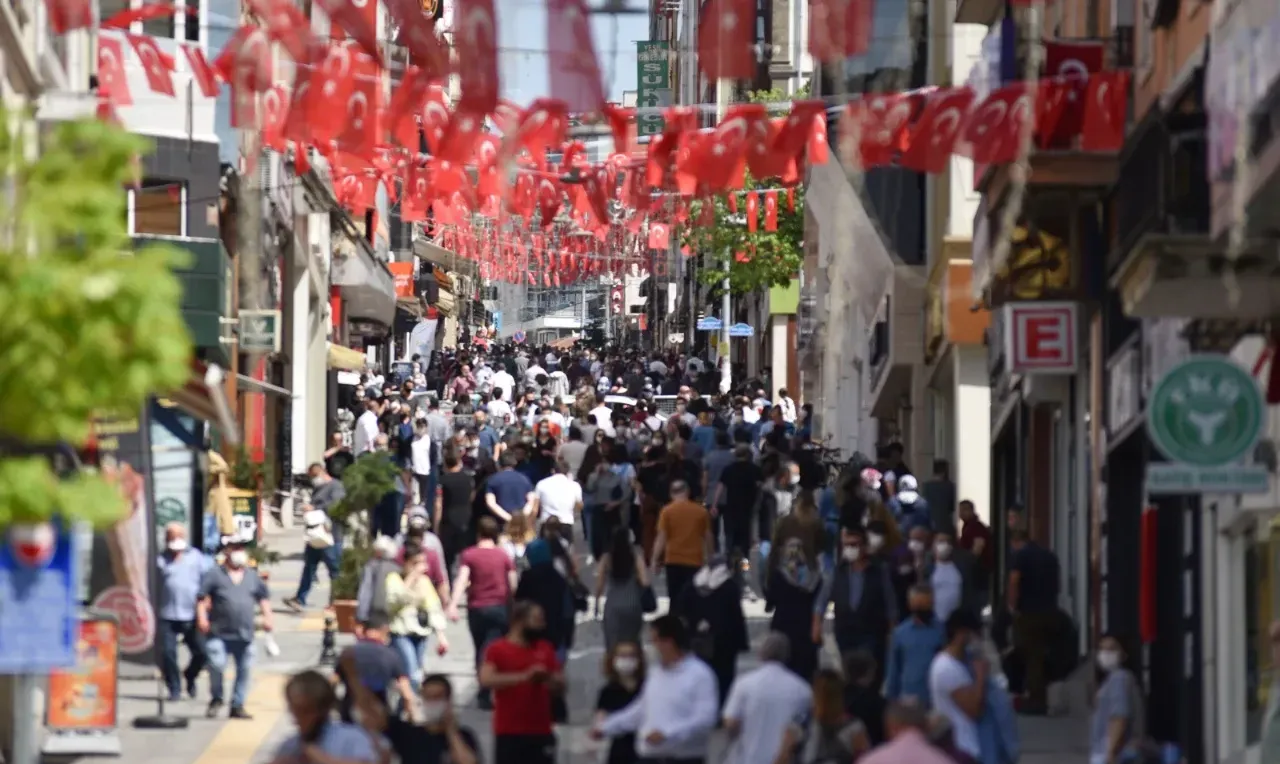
{"points": [[724, 348]]}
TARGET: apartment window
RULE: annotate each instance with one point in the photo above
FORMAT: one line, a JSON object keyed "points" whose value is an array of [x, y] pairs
{"points": [[109, 8], [159, 208], [182, 24]]}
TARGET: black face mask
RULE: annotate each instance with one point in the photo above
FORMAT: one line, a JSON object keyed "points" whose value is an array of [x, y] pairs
{"points": [[533, 635], [315, 734], [924, 614]]}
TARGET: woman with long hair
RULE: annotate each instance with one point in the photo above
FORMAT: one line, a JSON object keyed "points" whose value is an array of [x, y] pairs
{"points": [[622, 579], [831, 736]]}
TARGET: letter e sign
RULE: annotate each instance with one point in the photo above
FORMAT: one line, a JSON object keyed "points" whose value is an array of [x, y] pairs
{"points": [[1041, 337]]}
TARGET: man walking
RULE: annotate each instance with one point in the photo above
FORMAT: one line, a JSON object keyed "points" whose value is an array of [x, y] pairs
{"points": [[1032, 597], [684, 540], [181, 571], [325, 494], [229, 600]]}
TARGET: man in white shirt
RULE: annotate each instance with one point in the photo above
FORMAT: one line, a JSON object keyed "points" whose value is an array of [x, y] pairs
{"points": [[946, 579], [503, 383], [958, 684], [484, 375], [421, 462], [558, 496], [787, 405], [763, 703], [677, 709], [366, 434], [602, 415], [500, 411], [532, 373]]}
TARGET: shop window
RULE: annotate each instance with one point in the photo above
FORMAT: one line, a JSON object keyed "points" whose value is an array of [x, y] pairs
{"points": [[159, 208], [1262, 606]]}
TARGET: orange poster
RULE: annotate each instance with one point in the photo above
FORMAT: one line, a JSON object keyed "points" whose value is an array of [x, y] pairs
{"points": [[84, 698], [403, 273]]}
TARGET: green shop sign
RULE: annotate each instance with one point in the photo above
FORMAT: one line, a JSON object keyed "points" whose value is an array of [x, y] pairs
{"points": [[1205, 415], [653, 84]]}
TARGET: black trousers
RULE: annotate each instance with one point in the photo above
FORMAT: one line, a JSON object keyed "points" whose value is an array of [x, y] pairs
{"points": [[486, 624], [524, 749], [671, 760], [170, 633], [678, 577]]}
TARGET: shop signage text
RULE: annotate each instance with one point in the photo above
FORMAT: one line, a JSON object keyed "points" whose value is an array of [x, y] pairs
{"points": [[1040, 337], [260, 331], [653, 84], [1205, 416]]}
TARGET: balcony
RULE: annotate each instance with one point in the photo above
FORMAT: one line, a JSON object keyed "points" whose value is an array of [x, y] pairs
{"points": [[1066, 166], [1163, 259], [206, 291]]}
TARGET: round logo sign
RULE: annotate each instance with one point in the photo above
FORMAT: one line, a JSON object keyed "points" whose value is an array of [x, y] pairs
{"points": [[1206, 411], [133, 611], [33, 545]]}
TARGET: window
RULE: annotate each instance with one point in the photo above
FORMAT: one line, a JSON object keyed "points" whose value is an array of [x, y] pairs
{"points": [[159, 207], [109, 8]]}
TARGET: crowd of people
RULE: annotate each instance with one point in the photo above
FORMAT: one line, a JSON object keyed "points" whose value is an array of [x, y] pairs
{"points": [[542, 488]]}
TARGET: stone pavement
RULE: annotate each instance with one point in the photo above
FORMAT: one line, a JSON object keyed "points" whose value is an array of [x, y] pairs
{"points": [[222, 741]]}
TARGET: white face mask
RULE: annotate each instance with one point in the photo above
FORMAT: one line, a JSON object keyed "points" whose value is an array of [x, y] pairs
{"points": [[238, 558], [851, 553], [625, 665], [916, 545], [177, 545], [1108, 660], [875, 541], [434, 710], [942, 550]]}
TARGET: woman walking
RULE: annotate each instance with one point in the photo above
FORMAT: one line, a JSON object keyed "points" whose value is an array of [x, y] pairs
{"points": [[488, 578], [417, 613], [623, 572]]}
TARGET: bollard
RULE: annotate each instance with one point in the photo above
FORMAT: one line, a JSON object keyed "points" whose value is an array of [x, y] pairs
{"points": [[328, 644]]}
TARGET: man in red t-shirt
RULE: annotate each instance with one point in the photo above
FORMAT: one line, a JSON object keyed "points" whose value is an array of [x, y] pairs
{"points": [[976, 537], [522, 672]]}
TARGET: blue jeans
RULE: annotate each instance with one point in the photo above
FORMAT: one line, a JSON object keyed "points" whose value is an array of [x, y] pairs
{"points": [[170, 633], [312, 559], [413, 648], [220, 651], [386, 515]]}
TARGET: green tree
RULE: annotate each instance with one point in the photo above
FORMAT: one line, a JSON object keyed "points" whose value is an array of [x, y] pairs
{"points": [[752, 260], [91, 327]]}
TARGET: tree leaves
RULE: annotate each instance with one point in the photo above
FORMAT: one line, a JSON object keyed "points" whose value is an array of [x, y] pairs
{"points": [[90, 325]]}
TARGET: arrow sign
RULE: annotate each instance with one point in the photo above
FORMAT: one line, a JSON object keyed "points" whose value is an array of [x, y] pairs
{"points": [[260, 331]]}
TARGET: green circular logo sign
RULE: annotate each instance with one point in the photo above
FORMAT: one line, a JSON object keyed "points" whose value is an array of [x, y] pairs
{"points": [[1206, 411]]}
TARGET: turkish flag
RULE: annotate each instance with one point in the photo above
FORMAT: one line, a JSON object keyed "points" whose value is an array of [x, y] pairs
{"points": [[435, 116], [791, 200], [418, 34], [726, 39], [839, 29], [994, 129], [112, 83], [286, 25], [126, 18], [201, 72], [417, 194], [819, 150], [1067, 68], [1106, 100], [620, 120], [573, 70], [245, 61], [549, 199], [933, 136], [659, 236], [459, 140], [275, 113], [322, 99], [771, 211], [880, 123], [358, 18], [67, 15], [360, 117], [159, 76], [402, 112], [753, 211], [476, 32], [540, 127]]}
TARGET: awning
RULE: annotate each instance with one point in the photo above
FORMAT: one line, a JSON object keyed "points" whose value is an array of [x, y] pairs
{"points": [[437, 255], [346, 359], [367, 285], [203, 397], [245, 382]]}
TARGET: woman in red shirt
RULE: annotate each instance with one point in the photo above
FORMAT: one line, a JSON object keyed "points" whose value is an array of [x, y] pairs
{"points": [[522, 672]]}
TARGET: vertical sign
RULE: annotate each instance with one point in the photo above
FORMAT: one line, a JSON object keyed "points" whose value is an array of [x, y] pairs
{"points": [[653, 84]]}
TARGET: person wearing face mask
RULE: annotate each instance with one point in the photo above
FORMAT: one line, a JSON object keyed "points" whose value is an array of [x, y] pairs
{"points": [[790, 587], [911, 649], [438, 739], [860, 591], [229, 600], [522, 672], [624, 675], [1117, 726], [958, 682], [763, 703], [181, 571], [910, 563], [311, 700], [950, 572]]}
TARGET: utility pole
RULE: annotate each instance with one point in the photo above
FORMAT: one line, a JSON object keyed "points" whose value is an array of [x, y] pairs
{"points": [[726, 306]]}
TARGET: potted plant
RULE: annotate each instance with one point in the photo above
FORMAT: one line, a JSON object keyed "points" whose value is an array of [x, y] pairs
{"points": [[366, 481]]}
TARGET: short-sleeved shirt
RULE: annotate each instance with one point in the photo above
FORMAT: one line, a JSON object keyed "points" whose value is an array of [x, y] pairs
{"points": [[180, 581], [1038, 579], [1115, 701], [510, 489], [522, 709], [342, 741], [685, 524], [741, 481], [233, 606], [488, 568], [970, 532], [378, 665], [946, 675]]}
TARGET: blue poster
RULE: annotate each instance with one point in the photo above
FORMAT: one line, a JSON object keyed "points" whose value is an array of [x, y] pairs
{"points": [[39, 610]]}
